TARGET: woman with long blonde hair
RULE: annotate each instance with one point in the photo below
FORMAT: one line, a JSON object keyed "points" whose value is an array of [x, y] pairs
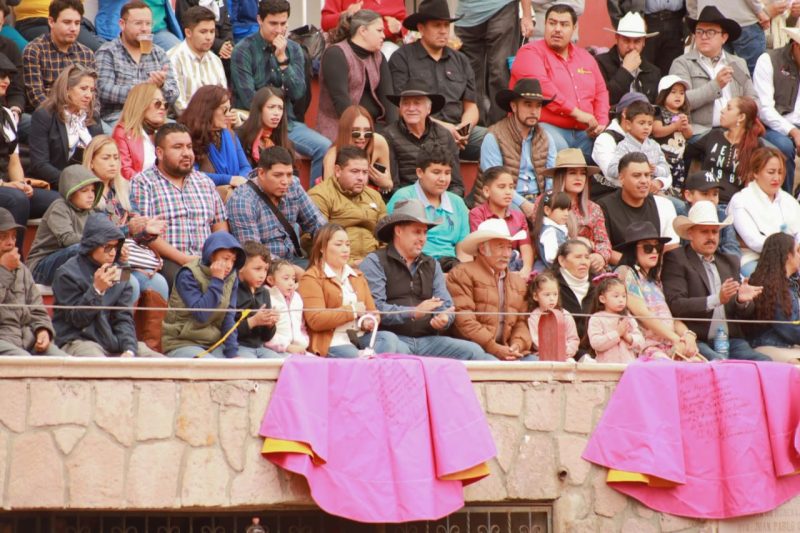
{"points": [[145, 111], [66, 119], [102, 158]]}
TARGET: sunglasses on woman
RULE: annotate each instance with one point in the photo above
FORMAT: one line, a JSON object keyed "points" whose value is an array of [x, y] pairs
{"points": [[650, 248], [159, 104], [355, 134]]}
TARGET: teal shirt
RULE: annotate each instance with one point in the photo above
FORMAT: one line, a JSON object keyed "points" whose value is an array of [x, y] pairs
{"points": [[159, 14], [453, 213]]}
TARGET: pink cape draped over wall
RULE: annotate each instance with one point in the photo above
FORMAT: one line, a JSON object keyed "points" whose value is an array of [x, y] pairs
{"points": [[703, 440], [389, 439]]}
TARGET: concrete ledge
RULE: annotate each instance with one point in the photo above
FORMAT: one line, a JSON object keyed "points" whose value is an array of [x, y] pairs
{"points": [[244, 369]]}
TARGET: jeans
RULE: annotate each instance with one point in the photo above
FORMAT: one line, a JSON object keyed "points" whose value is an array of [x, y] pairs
{"points": [[385, 342], [785, 144], [487, 46], [165, 39], [739, 349], [567, 138], [750, 45], [189, 352], [45, 270], [311, 144], [472, 151], [246, 352], [23, 208], [441, 346], [141, 282]]}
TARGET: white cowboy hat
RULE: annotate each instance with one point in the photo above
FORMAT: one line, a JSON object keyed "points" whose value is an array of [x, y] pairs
{"points": [[703, 213], [492, 228], [793, 33], [632, 25]]}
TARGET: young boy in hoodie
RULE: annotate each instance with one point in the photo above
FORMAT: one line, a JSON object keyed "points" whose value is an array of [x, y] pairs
{"points": [[210, 282], [259, 326], [92, 278], [23, 330], [59, 234]]}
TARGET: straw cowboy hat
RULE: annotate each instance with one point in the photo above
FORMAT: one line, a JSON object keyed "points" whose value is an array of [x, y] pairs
{"points": [[404, 211], [642, 230], [418, 87], [525, 88], [571, 158], [429, 10], [703, 213], [492, 228], [632, 25], [712, 15]]}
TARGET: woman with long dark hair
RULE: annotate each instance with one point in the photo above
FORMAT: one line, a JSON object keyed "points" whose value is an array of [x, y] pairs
{"points": [[777, 273], [726, 151], [266, 126], [217, 150], [356, 128]]}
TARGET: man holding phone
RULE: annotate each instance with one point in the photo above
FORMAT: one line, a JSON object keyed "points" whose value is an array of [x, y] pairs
{"points": [[96, 278]]}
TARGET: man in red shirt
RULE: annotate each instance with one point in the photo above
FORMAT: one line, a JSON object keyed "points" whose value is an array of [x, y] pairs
{"points": [[571, 77]]}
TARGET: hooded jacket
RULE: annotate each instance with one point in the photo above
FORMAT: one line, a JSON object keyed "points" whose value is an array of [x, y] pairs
{"points": [[19, 325], [63, 223], [73, 286], [196, 288]]}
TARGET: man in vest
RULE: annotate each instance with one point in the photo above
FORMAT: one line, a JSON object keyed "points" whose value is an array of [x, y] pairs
{"points": [[519, 143], [415, 130], [777, 79], [420, 307], [450, 71]]}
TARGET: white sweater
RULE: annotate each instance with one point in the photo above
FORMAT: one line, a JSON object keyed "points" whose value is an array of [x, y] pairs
{"points": [[289, 329]]}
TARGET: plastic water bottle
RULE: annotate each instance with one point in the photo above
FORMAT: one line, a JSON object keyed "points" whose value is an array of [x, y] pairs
{"points": [[256, 527], [721, 344]]}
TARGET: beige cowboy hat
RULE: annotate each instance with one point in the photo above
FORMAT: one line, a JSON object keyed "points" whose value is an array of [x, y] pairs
{"points": [[492, 228], [703, 213], [571, 158], [632, 25], [404, 211]]}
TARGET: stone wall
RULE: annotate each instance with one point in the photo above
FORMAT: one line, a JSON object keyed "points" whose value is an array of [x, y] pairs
{"points": [[178, 435]]}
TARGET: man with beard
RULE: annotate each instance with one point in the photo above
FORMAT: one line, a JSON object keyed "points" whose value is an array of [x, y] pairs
{"points": [[633, 202], [517, 142], [182, 196]]}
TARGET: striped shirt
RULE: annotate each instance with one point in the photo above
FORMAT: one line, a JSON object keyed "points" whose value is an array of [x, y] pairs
{"points": [[193, 72], [42, 62], [189, 211]]}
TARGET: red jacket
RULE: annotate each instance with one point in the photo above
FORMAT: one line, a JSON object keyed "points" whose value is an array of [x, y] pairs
{"points": [[387, 8], [131, 152], [574, 82]]}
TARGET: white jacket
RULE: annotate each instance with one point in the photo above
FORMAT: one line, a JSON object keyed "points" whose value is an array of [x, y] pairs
{"points": [[290, 328]]}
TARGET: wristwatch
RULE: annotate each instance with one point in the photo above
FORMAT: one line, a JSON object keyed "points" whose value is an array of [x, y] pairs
{"points": [[284, 63]]}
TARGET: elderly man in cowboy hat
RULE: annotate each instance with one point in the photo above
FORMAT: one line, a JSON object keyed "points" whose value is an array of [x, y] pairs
{"points": [[777, 82], [411, 286], [623, 67], [484, 289], [448, 70], [570, 76], [519, 143], [714, 75], [415, 130], [701, 282]]}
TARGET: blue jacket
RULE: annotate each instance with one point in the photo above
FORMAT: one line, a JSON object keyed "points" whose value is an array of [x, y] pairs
{"points": [[229, 160], [782, 335], [106, 22], [74, 286], [189, 290]]}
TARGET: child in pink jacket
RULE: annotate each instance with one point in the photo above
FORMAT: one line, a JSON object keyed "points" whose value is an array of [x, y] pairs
{"points": [[544, 296], [612, 333]]}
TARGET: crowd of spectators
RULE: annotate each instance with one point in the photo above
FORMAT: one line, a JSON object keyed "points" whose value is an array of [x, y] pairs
{"points": [[644, 194]]}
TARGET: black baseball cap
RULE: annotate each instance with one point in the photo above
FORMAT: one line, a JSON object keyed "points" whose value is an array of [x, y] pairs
{"points": [[701, 181]]}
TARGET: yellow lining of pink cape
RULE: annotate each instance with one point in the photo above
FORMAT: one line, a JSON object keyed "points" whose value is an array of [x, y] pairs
{"points": [[290, 446], [619, 476], [473, 473]]}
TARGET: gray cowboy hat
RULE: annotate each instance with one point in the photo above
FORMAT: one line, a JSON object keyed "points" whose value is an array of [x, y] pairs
{"points": [[404, 211], [418, 87]]}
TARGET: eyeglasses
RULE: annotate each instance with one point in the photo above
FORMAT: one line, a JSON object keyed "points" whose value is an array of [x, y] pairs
{"points": [[706, 33], [650, 248], [355, 134], [109, 248], [159, 104]]}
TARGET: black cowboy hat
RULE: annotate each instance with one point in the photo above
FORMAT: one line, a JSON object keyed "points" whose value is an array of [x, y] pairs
{"points": [[418, 87], [712, 15], [6, 65], [527, 88], [640, 231], [429, 10]]}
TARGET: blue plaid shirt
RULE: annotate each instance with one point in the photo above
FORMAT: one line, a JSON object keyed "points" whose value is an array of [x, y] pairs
{"points": [[118, 73], [251, 220]]}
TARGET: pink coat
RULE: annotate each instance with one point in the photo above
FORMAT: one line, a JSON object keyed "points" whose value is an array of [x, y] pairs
{"points": [[131, 152], [573, 340], [606, 342]]}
